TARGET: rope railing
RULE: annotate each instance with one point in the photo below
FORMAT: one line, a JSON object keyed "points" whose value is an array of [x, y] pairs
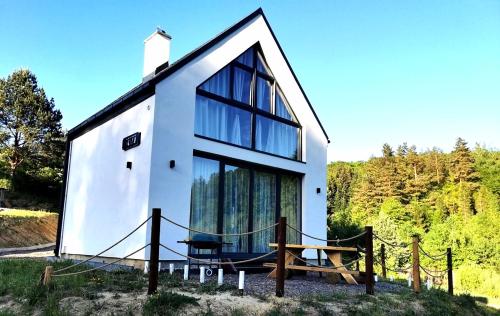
{"points": [[100, 253], [394, 245], [102, 266], [308, 264], [217, 263], [431, 273], [402, 270], [217, 234], [433, 257], [327, 240]]}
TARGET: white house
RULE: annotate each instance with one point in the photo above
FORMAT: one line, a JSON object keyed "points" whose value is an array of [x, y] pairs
{"points": [[222, 140]]}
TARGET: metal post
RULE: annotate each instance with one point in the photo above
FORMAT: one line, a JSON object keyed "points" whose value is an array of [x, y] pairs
{"points": [[450, 270], [382, 258], [369, 260], [416, 265], [280, 260], [155, 251]]}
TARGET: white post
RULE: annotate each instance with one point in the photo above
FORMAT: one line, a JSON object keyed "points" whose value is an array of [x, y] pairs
{"points": [[391, 278], [202, 274], [171, 268], [186, 272], [376, 278], [429, 283], [409, 281], [241, 282], [220, 277]]}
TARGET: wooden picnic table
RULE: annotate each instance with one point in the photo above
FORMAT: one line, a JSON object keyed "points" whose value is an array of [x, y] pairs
{"points": [[333, 253]]}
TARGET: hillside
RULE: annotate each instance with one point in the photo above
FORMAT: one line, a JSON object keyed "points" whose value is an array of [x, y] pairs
{"points": [[22, 228], [448, 199]]}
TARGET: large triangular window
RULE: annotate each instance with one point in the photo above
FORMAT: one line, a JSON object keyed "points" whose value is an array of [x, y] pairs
{"points": [[243, 105]]}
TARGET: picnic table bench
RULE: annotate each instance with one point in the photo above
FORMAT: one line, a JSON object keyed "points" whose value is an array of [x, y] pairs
{"points": [[333, 253]]}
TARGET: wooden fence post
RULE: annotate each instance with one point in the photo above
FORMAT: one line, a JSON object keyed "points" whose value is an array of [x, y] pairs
{"points": [[155, 251], [450, 270], [416, 265], [382, 258], [369, 260], [280, 261], [47, 276]]}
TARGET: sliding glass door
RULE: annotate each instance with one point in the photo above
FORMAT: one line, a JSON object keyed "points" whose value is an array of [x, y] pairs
{"points": [[233, 197], [236, 208], [264, 210], [290, 205]]}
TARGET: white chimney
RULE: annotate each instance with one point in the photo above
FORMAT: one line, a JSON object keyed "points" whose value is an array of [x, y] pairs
{"points": [[156, 51]]}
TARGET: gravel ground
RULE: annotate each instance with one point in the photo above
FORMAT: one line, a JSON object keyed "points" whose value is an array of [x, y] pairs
{"points": [[260, 285]]}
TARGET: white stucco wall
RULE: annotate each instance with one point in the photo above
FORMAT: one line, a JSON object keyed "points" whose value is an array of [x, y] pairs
{"points": [[173, 137], [104, 199]]}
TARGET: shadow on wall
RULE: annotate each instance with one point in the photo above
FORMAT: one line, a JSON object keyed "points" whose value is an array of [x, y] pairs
{"points": [[106, 200]]}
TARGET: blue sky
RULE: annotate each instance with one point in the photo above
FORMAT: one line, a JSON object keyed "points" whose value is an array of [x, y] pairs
{"points": [[424, 72]]}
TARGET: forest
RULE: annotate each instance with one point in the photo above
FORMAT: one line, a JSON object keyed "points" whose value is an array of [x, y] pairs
{"points": [[447, 199]]}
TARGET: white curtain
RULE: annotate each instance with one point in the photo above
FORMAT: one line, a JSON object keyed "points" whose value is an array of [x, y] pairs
{"points": [[219, 83], [222, 122], [277, 138], [264, 210]]}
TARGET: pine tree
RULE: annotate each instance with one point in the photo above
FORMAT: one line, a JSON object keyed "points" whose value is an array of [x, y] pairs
{"points": [[30, 126], [387, 151], [462, 163]]}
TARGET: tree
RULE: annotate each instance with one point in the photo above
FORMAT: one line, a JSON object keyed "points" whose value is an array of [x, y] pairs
{"points": [[387, 151], [462, 163], [30, 125]]}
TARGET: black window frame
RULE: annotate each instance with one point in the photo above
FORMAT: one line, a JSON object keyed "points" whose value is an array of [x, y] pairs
{"points": [[252, 167], [252, 107]]}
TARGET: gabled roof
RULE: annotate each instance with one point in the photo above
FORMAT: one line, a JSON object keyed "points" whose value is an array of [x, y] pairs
{"points": [[147, 88]]}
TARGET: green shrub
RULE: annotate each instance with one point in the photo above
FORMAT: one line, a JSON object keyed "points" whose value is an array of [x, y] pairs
{"points": [[478, 281]]}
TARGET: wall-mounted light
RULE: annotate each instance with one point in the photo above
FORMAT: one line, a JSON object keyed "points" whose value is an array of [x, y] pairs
{"points": [[172, 164], [318, 190], [129, 165]]}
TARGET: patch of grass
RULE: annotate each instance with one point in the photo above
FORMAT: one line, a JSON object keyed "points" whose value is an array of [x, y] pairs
{"points": [[169, 281], [167, 303], [25, 213], [6, 312], [20, 279]]}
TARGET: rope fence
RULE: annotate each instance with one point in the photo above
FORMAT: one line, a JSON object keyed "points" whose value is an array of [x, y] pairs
{"points": [[100, 253], [433, 257], [327, 240], [363, 251], [308, 264], [218, 263], [390, 244], [100, 267], [217, 234]]}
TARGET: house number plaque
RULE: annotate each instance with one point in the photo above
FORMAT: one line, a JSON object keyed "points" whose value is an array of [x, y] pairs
{"points": [[131, 141]]}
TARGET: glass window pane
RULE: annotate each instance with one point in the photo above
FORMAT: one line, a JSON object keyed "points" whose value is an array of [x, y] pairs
{"points": [[290, 205], [236, 204], [261, 65], [204, 198], [282, 109], [242, 85], [263, 94], [246, 58], [277, 138], [264, 210], [222, 122], [219, 83]]}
